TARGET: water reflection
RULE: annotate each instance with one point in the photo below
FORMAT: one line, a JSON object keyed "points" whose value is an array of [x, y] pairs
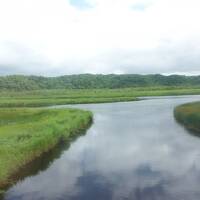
{"points": [[134, 150]]}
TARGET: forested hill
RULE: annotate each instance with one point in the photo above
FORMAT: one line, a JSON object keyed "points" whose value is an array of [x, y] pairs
{"points": [[19, 83]]}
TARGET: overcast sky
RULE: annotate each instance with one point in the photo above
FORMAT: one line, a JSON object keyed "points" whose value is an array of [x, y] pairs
{"points": [[55, 37]]}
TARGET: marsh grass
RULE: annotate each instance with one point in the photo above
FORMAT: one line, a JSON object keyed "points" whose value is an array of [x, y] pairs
{"points": [[189, 116], [80, 96], [2, 192], [27, 133]]}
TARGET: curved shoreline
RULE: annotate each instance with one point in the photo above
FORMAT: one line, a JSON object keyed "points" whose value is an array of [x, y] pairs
{"points": [[76, 130], [46, 98], [24, 140], [189, 116]]}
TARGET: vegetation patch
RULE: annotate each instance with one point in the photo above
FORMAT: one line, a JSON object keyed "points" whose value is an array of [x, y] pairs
{"points": [[40, 98], [95, 81], [27, 133], [189, 116]]}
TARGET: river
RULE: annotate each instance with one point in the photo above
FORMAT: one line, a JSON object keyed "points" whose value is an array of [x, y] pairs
{"points": [[133, 151]]}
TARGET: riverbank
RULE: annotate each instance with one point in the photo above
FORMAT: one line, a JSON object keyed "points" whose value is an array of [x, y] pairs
{"points": [[189, 116], [27, 133], [84, 96]]}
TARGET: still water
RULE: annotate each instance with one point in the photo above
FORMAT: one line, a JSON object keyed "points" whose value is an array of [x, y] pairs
{"points": [[134, 150]]}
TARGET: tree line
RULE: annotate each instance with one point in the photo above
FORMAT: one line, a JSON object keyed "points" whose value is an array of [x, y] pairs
{"points": [[98, 81]]}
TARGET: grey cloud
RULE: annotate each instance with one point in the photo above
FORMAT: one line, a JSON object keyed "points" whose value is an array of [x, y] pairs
{"points": [[166, 58]]}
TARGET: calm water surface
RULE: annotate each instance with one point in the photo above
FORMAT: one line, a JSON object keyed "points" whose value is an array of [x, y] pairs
{"points": [[134, 150]]}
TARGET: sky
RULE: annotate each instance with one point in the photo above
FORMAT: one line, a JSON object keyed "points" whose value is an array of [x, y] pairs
{"points": [[57, 37]]}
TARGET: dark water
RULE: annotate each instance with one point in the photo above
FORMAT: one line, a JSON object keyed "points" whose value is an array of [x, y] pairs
{"points": [[133, 151]]}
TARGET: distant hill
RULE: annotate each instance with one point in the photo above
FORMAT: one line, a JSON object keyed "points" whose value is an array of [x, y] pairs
{"points": [[88, 81]]}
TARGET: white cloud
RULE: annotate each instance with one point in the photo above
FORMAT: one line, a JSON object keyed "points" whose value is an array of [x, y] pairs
{"points": [[53, 37]]}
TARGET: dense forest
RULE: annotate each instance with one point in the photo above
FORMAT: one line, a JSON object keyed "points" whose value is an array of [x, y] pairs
{"points": [[87, 81]]}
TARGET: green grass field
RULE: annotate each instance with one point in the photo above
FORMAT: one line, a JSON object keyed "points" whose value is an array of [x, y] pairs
{"points": [[61, 97], [189, 116], [27, 133]]}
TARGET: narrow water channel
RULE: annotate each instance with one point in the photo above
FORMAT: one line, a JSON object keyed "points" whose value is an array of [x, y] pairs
{"points": [[133, 151]]}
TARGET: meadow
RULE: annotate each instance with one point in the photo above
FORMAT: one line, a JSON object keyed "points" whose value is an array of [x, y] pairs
{"points": [[189, 116], [27, 133], [38, 98]]}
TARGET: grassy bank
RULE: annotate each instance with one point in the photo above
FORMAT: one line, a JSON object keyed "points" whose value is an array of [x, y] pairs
{"points": [[27, 133], [189, 116], [61, 97]]}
